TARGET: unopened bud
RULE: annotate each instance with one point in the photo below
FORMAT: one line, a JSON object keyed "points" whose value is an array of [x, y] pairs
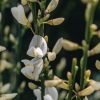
{"points": [[87, 74], [12, 38], [56, 21], [97, 64], [51, 83], [69, 75], [2, 48], [95, 50], [52, 5], [6, 30], [32, 86], [93, 27], [24, 2], [87, 91], [51, 56], [69, 45], [77, 87], [46, 38]]}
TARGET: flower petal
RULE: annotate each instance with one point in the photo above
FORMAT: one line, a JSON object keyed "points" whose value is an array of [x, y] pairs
{"points": [[52, 91], [28, 72], [19, 14], [37, 93], [35, 52], [47, 97], [37, 68]]}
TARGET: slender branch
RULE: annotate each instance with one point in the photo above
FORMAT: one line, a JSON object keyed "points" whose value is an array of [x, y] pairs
{"points": [[86, 46]]}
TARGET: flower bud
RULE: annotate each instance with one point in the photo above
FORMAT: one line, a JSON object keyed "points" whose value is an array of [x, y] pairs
{"points": [[97, 64], [95, 50], [2, 48], [69, 75], [87, 74], [56, 21], [5, 88], [93, 27], [46, 38], [52, 5], [87, 91], [69, 45], [32, 86], [77, 87], [51, 56], [12, 38], [24, 2], [58, 46], [51, 83]]}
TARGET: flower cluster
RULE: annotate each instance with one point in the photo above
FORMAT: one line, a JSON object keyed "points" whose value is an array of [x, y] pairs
{"points": [[38, 67]]}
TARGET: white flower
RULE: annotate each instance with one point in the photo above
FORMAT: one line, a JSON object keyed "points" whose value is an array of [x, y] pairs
{"points": [[37, 47], [50, 93], [2, 48], [19, 15], [32, 68]]}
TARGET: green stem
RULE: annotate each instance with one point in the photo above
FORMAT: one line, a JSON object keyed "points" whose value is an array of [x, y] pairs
{"points": [[84, 59], [72, 80], [34, 12]]}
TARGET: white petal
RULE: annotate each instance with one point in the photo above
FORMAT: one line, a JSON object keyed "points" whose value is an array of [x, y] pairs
{"points": [[28, 72], [47, 97], [35, 52], [5, 88], [39, 42], [19, 14], [37, 68], [37, 93], [58, 46], [52, 91], [27, 62]]}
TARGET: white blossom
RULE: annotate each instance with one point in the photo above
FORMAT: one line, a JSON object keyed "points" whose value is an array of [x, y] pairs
{"points": [[32, 68], [37, 47], [19, 15]]}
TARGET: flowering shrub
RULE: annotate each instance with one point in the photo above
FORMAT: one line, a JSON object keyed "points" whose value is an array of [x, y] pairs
{"points": [[44, 83]]}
